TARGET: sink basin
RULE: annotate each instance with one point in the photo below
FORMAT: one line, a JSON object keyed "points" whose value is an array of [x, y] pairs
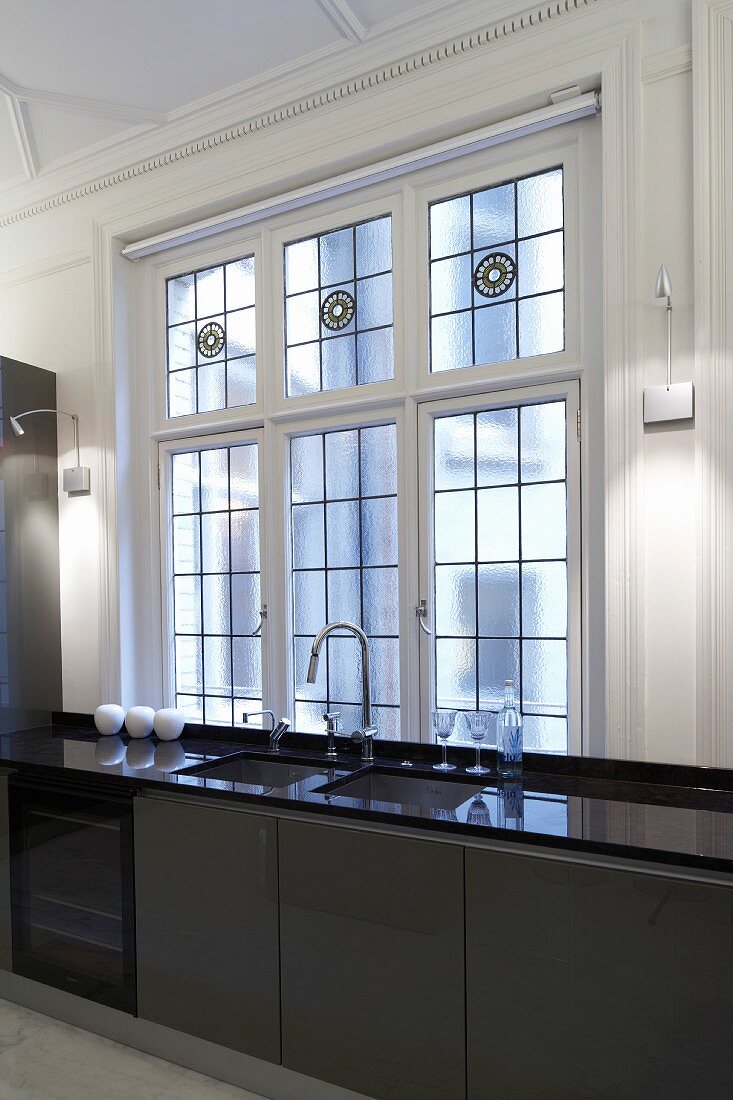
{"points": [[259, 776], [398, 790]]}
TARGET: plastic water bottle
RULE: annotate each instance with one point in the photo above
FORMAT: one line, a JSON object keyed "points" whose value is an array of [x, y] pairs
{"points": [[509, 735]]}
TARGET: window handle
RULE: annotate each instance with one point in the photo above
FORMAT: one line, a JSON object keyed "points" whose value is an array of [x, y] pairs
{"points": [[422, 613], [263, 615]]}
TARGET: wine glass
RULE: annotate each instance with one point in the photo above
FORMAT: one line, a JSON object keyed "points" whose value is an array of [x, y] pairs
{"points": [[478, 726], [443, 724], [478, 812]]}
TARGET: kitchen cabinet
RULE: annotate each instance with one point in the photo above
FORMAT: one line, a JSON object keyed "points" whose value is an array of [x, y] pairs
{"points": [[596, 983], [372, 961], [207, 923]]}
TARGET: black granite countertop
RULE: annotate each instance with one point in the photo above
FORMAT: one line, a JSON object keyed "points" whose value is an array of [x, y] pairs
{"points": [[679, 816]]}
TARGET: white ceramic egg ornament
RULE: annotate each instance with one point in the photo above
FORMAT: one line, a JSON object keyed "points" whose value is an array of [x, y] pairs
{"points": [[109, 718], [168, 724], [139, 721], [140, 755]]}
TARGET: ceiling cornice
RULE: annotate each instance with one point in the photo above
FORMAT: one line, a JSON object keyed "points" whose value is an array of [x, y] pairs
{"points": [[488, 36]]}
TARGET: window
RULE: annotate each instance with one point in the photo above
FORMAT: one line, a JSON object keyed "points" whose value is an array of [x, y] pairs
{"points": [[215, 597]]}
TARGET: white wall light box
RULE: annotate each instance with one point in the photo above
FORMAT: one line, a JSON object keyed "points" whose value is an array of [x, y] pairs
{"points": [[664, 403]]}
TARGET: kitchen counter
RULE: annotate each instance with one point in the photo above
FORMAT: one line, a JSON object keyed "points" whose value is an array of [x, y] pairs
{"points": [[656, 813]]}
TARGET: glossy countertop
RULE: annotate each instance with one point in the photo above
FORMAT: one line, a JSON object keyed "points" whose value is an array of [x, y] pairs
{"points": [[656, 813]]}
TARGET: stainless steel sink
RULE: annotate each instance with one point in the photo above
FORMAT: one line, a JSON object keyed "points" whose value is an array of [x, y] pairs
{"points": [[265, 775], [398, 790]]}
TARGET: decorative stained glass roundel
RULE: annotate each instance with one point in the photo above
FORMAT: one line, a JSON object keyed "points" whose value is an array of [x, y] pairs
{"points": [[494, 274], [337, 310], [211, 339]]}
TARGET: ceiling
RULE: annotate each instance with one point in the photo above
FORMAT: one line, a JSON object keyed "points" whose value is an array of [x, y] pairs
{"points": [[81, 77]]}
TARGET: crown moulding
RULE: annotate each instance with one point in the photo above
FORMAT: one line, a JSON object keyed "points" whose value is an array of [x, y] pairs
{"points": [[484, 38]]}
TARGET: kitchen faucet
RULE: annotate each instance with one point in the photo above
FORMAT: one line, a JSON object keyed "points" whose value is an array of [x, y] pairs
{"points": [[276, 730], [367, 734]]}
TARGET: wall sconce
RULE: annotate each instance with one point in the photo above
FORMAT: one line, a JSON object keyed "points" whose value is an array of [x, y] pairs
{"points": [[76, 478], [673, 401]]}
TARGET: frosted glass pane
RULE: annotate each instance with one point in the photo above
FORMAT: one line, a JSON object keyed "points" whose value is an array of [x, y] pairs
{"points": [[496, 447], [247, 658], [181, 302], [387, 721], [302, 318], [186, 482], [342, 465], [217, 666], [216, 603], [304, 370], [455, 600], [309, 602], [245, 540], [214, 479], [344, 670], [306, 468], [455, 668], [339, 363], [498, 661], [379, 531], [374, 301], [191, 707], [544, 522], [241, 382], [309, 717], [498, 601], [545, 677], [454, 452], [381, 601], [246, 603], [344, 596], [182, 393], [189, 672], [545, 600], [337, 257], [212, 387], [240, 283], [496, 333], [301, 266], [215, 542], [303, 689], [219, 357], [451, 342], [308, 536], [376, 356], [218, 710], [543, 442], [498, 525], [450, 284], [379, 460], [186, 544], [374, 247], [244, 488], [541, 325], [385, 666], [187, 605], [240, 331], [455, 538], [511, 292], [493, 216], [181, 347], [327, 333], [342, 533], [210, 292], [450, 227], [542, 734], [539, 203], [541, 264]]}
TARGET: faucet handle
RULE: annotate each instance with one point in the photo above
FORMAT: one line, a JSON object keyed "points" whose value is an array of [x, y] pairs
{"points": [[366, 737], [331, 718]]}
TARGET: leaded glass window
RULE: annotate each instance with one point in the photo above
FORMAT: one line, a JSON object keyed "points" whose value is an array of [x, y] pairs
{"points": [[212, 338], [343, 492], [497, 273], [216, 582], [500, 564], [338, 309]]}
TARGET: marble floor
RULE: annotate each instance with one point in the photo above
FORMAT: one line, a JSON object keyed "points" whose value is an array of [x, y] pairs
{"points": [[44, 1059]]}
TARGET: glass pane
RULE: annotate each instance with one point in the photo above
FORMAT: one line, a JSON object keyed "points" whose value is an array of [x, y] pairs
{"points": [[189, 664], [217, 666], [306, 468], [496, 447], [376, 356], [337, 257], [498, 525], [212, 387], [456, 674], [241, 333], [451, 342], [339, 363], [187, 605], [181, 301], [246, 603], [185, 482], [379, 531], [498, 601], [301, 266], [543, 442], [304, 690], [544, 523], [304, 370], [342, 465], [210, 292], [215, 542], [344, 669], [186, 545], [245, 528], [493, 216], [342, 533], [450, 284], [214, 480], [241, 382], [218, 710], [374, 302], [541, 325], [387, 720], [544, 668], [182, 393], [181, 347], [240, 283], [385, 667], [379, 461], [309, 550], [302, 318], [309, 717], [543, 734], [344, 596], [545, 599], [455, 538], [496, 333], [455, 600], [450, 227], [244, 489], [216, 604], [540, 203], [347, 314], [381, 601], [498, 661], [374, 247], [309, 602], [454, 452], [541, 264], [247, 661]]}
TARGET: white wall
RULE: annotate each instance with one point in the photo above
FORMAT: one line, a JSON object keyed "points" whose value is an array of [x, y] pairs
{"points": [[50, 290]]}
